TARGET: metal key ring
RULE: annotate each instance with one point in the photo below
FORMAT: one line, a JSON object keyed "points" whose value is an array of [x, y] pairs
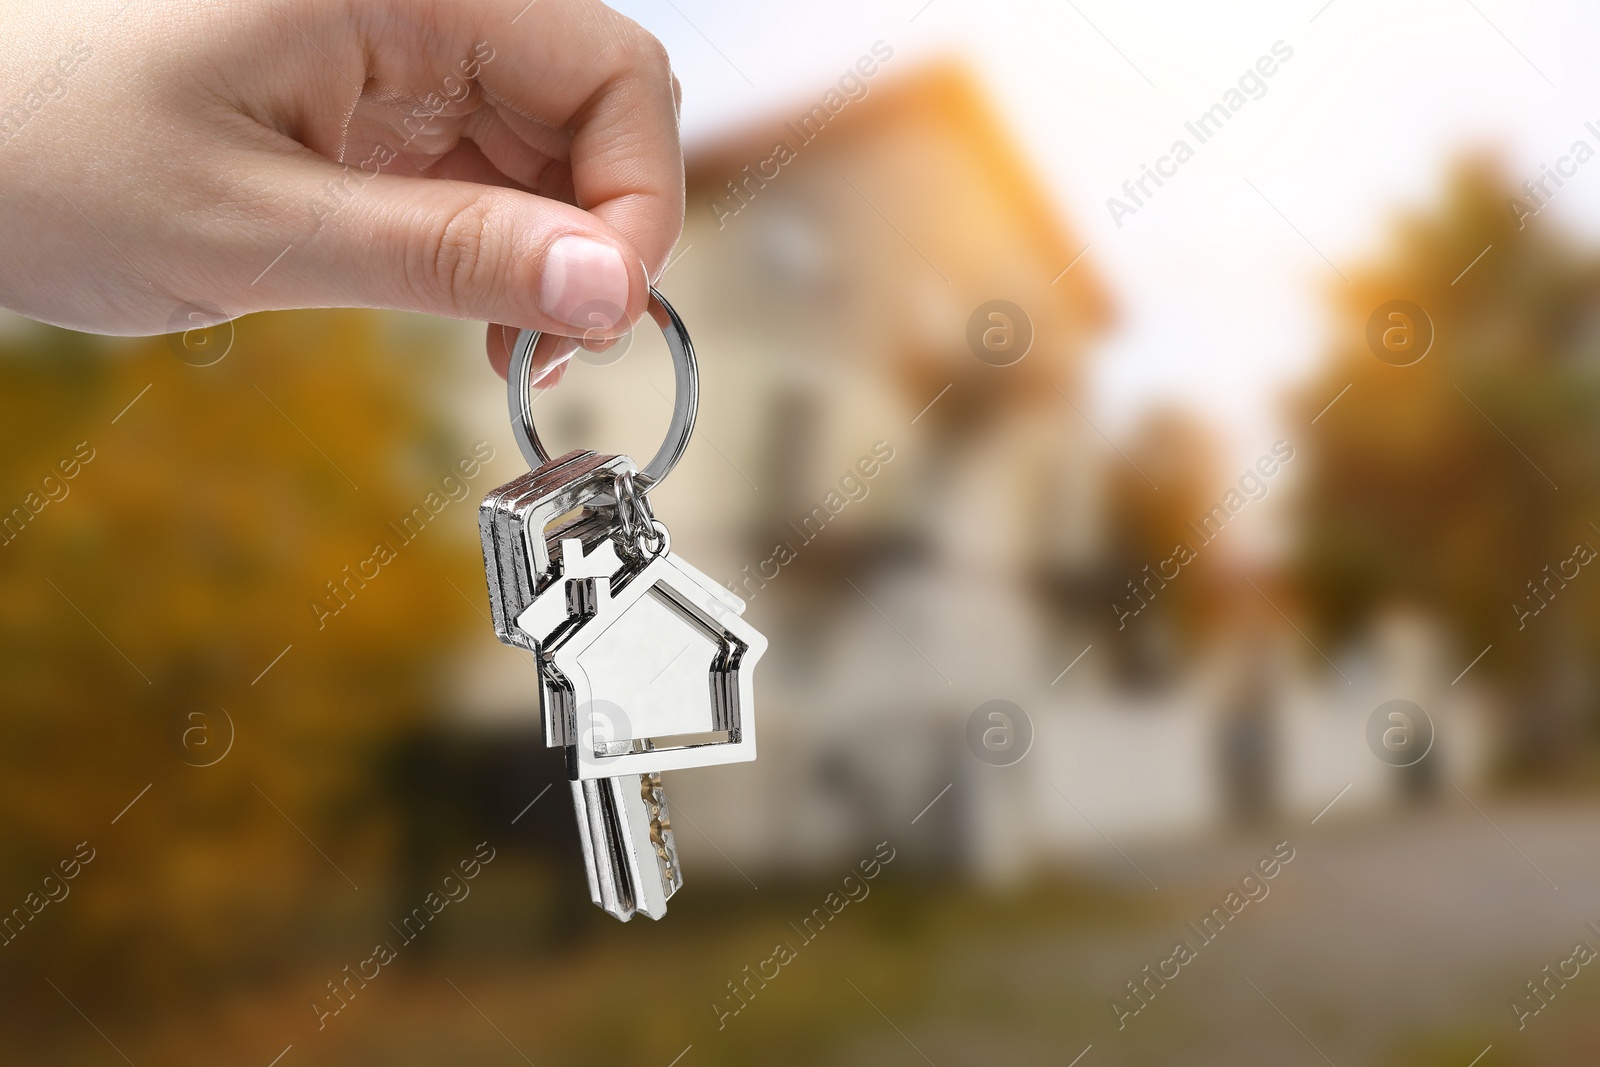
{"points": [[685, 403]]}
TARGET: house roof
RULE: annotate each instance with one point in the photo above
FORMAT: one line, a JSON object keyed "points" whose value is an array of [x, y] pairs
{"points": [[945, 94]]}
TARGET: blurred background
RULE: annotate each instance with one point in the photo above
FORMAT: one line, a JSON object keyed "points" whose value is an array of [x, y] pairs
{"points": [[1229, 383]]}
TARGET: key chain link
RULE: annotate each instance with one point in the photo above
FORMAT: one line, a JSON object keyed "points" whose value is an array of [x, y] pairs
{"points": [[642, 532]]}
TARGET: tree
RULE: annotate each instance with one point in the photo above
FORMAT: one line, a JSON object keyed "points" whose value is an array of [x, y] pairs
{"points": [[1464, 481], [1149, 536], [162, 600]]}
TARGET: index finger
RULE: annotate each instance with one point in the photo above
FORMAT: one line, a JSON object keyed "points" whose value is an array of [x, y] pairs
{"points": [[577, 78]]}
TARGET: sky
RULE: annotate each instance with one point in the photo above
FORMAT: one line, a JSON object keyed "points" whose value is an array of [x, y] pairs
{"points": [[1222, 277]]}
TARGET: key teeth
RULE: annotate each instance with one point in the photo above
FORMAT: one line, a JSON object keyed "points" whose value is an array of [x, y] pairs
{"points": [[649, 864], [661, 837]]}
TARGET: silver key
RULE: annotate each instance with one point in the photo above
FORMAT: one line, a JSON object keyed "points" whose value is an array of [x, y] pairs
{"points": [[628, 848]]}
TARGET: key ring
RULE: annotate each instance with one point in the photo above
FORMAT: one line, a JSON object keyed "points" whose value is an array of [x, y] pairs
{"points": [[685, 402]]}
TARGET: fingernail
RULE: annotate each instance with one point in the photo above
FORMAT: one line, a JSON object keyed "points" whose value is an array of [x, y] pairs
{"points": [[585, 283]]}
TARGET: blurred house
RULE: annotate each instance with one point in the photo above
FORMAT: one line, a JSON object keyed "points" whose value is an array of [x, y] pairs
{"points": [[842, 290], [919, 531]]}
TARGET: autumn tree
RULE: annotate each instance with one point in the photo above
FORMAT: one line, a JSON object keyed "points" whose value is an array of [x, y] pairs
{"points": [[158, 604], [1460, 473], [1165, 478]]}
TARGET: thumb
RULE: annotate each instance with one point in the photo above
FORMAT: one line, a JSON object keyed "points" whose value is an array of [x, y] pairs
{"points": [[453, 248]]}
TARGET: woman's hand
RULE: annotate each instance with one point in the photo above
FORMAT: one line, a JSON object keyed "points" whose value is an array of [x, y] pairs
{"points": [[165, 164]]}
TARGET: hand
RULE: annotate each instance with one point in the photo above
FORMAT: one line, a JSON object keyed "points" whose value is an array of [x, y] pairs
{"points": [[163, 164]]}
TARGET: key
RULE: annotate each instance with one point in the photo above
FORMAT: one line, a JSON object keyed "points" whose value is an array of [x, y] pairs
{"points": [[628, 848], [515, 557]]}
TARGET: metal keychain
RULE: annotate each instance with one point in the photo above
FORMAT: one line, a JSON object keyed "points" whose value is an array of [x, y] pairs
{"points": [[645, 663]]}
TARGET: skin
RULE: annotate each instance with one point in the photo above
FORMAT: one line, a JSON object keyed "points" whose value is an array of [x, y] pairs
{"points": [[422, 155]]}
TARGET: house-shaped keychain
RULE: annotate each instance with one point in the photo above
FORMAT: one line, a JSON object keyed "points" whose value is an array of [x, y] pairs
{"points": [[645, 668]]}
